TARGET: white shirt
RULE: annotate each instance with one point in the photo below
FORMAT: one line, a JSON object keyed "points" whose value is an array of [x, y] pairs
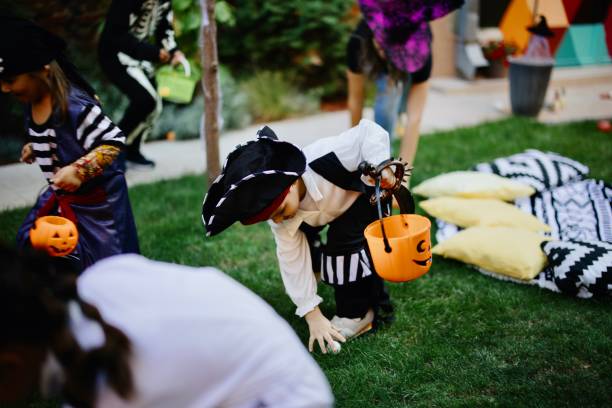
{"points": [[323, 203], [199, 339]]}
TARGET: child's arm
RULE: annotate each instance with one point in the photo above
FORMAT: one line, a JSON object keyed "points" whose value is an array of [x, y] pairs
{"points": [[364, 142], [295, 264], [99, 137], [164, 32], [69, 178], [27, 154], [93, 163], [94, 128]]}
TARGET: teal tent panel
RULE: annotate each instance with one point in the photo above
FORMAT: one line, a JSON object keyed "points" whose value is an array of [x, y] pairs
{"points": [[583, 44], [566, 53]]}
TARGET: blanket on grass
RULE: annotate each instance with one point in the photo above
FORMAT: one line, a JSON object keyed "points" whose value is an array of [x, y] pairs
{"points": [[579, 211]]}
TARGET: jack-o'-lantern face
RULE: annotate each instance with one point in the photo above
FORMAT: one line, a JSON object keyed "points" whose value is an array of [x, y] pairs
{"points": [[423, 254], [57, 236], [409, 240]]}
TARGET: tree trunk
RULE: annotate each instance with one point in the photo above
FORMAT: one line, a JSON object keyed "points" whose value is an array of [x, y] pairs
{"points": [[210, 86]]}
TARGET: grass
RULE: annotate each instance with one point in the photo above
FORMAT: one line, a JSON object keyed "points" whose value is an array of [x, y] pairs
{"points": [[461, 338]]}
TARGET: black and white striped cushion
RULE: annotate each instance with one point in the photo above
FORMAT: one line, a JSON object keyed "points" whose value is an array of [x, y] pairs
{"points": [[580, 211], [541, 170], [580, 267]]}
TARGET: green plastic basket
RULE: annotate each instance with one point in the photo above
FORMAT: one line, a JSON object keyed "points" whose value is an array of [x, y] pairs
{"points": [[176, 84]]}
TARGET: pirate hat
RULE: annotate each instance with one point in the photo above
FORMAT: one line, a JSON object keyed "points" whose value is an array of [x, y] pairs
{"points": [[26, 47], [541, 28], [255, 178], [400, 28]]}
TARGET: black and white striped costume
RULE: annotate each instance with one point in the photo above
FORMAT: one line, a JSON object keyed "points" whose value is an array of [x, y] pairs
{"points": [[335, 198], [92, 128], [101, 205], [127, 59]]}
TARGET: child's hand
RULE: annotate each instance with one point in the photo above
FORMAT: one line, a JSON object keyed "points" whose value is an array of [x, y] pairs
{"points": [[388, 179], [27, 154], [164, 56], [67, 179], [177, 58], [321, 330]]}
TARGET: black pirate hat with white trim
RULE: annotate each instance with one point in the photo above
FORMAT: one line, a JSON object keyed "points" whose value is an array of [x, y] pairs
{"points": [[253, 176], [27, 47]]}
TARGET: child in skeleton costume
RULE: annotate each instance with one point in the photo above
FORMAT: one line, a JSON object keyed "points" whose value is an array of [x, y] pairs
{"points": [[127, 58], [300, 192], [131, 332], [71, 140]]}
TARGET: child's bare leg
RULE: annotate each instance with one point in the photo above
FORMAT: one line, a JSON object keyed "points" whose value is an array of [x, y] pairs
{"points": [[416, 105]]}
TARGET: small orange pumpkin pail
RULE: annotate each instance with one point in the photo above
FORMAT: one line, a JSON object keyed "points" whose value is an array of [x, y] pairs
{"points": [[58, 236], [409, 242]]}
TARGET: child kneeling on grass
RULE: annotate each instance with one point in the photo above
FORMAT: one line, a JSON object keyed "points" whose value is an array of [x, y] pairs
{"points": [[74, 143], [300, 193], [131, 332]]}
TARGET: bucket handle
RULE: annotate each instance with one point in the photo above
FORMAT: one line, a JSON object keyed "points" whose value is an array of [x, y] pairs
{"points": [[186, 66], [401, 193], [380, 217]]}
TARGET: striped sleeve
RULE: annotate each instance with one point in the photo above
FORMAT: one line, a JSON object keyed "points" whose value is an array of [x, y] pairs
{"points": [[95, 128]]}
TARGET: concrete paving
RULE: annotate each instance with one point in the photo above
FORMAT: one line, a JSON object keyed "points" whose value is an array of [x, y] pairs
{"points": [[451, 103]]}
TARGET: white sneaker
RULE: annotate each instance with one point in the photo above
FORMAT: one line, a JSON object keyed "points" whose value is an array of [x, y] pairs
{"points": [[350, 328]]}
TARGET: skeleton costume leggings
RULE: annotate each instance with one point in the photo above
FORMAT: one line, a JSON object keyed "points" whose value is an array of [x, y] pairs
{"points": [[135, 79]]}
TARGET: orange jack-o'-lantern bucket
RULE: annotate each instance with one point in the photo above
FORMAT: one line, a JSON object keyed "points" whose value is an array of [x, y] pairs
{"points": [[58, 236], [400, 246]]}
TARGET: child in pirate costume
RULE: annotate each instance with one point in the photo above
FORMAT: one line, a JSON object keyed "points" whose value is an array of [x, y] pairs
{"points": [[300, 192], [71, 140]]}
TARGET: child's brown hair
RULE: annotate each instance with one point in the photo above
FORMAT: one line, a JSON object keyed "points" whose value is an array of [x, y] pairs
{"points": [[58, 86], [35, 294]]}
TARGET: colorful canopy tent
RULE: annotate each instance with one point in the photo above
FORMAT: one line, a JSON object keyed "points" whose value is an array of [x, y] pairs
{"points": [[608, 29], [571, 8], [583, 44], [520, 14]]}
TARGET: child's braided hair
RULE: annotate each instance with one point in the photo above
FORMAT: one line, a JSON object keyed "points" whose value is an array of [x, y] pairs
{"points": [[34, 297]]}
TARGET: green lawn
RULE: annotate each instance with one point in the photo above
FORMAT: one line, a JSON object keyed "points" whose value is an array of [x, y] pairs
{"points": [[460, 339]]}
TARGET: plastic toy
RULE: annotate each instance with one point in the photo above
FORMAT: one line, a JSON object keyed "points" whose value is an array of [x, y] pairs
{"points": [[58, 236]]}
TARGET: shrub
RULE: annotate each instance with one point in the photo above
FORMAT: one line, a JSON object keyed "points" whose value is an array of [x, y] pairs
{"points": [[306, 39], [272, 96], [184, 120]]}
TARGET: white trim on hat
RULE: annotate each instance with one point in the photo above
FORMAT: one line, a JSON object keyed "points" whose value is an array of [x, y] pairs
{"points": [[234, 186], [220, 202], [247, 177]]}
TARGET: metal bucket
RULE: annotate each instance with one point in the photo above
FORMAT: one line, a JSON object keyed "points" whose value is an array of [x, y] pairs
{"points": [[528, 84]]}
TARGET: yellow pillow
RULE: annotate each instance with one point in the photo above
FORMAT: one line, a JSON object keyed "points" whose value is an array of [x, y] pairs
{"points": [[473, 184], [469, 212], [513, 252]]}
